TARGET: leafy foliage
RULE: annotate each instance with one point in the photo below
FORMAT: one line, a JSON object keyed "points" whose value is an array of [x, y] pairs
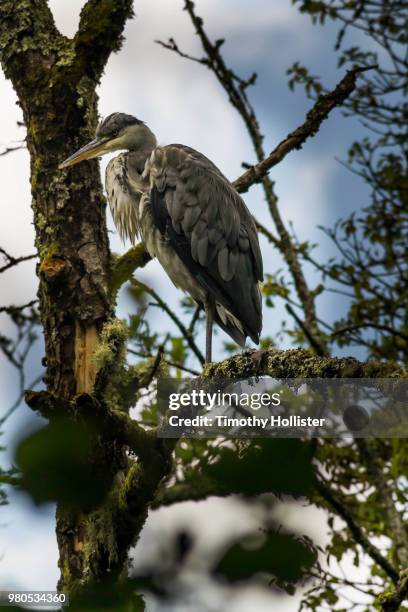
{"points": [[372, 266], [271, 554], [280, 466], [108, 597], [56, 464]]}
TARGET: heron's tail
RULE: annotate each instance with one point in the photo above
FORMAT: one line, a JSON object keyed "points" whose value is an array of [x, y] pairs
{"points": [[230, 324]]}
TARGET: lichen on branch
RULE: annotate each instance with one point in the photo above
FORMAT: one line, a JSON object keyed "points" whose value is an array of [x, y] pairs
{"points": [[100, 33], [123, 267], [300, 363]]}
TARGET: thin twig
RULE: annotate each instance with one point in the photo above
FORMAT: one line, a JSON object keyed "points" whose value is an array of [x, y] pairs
{"points": [[174, 364], [194, 319], [19, 399], [314, 118], [356, 530], [183, 329], [268, 234], [9, 149], [13, 261], [386, 328], [305, 330], [155, 365], [14, 309]]}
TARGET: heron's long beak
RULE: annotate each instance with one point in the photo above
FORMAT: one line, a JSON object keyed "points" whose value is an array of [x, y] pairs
{"points": [[92, 149]]}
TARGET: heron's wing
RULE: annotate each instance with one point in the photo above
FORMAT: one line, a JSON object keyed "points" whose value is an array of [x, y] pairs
{"points": [[123, 197], [211, 229]]}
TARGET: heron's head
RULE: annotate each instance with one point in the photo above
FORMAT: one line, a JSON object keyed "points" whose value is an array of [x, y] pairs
{"points": [[117, 131]]}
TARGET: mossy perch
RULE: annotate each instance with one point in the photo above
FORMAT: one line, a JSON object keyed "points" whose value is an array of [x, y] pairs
{"points": [[123, 267]]}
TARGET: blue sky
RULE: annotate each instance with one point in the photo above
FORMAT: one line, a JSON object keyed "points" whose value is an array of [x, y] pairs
{"points": [[182, 102]]}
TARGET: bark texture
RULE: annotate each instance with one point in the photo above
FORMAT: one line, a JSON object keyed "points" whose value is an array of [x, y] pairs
{"points": [[55, 80]]}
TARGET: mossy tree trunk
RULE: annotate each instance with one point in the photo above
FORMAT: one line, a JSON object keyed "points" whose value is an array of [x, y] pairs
{"points": [[55, 80]]}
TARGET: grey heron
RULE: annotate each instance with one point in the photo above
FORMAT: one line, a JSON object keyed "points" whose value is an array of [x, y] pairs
{"points": [[189, 216]]}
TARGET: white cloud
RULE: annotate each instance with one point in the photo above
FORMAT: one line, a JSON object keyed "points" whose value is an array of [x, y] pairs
{"points": [[303, 186]]}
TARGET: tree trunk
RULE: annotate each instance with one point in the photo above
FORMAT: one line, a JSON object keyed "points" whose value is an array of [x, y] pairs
{"points": [[55, 80]]}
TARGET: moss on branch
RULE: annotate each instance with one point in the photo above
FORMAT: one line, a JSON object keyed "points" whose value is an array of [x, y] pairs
{"points": [[28, 30], [100, 33], [124, 266], [300, 363], [111, 351], [391, 600]]}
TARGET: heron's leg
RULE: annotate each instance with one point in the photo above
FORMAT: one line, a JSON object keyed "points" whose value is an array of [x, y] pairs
{"points": [[209, 319]]}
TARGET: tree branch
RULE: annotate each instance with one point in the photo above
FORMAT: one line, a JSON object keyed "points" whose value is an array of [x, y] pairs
{"points": [[359, 535], [268, 235], [187, 335], [100, 33], [300, 363], [197, 490], [370, 325], [202, 488], [13, 310], [13, 261], [124, 266], [294, 363], [19, 37], [11, 149], [397, 526], [174, 364], [113, 424], [305, 329], [391, 601], [20, 397], [171, 45], [314, 118]]}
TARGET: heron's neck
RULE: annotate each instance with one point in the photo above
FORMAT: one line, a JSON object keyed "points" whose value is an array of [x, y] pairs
{"points": [[141, 150]]}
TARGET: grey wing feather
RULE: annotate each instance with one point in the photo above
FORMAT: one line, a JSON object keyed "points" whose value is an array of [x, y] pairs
{"points": [[210, 228]]}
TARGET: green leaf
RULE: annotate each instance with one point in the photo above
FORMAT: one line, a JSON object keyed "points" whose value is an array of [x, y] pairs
{"points": [[177, 352], [56, 465], [280, 466], [276, 554], [107, 596]]}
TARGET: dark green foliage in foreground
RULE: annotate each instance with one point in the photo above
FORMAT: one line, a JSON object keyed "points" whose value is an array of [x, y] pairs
{"points": [[109, 597], [279, 466], [271, 554], [56, 464]]}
